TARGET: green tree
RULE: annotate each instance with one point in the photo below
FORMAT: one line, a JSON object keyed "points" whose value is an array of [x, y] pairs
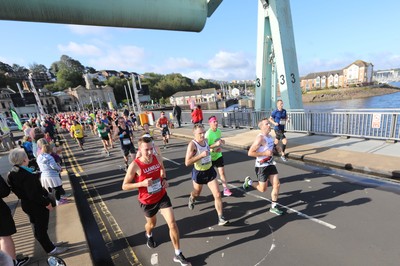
{"points": [[90, 70], [20, 70], [118, 85], [67, 78], [69, 73], [5, 67], [37, 68], [205, 84]]}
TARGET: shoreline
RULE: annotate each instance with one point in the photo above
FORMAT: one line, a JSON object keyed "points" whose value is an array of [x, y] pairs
{"points": [[345, 94]]}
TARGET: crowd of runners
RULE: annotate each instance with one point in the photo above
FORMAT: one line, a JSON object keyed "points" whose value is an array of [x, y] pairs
{"points": [[144, 163]]}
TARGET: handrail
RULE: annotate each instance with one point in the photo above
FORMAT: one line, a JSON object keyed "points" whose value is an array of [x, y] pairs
{"points": [[359, 123]]}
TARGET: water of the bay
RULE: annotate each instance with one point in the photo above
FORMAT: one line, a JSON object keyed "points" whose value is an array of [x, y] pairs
{"points": [[376, 102]]}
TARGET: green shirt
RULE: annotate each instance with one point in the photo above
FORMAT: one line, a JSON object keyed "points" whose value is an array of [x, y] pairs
{"points": [[102, 129], [212, 137]]}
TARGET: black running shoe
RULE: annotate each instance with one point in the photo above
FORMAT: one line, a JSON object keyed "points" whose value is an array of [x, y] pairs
{"points": [[181, 259], [22, 261], [151, 243]]}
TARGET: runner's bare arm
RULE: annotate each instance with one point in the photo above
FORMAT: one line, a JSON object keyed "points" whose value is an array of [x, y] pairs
{"points": [[131, 172], [256, 144], [191, 157]]}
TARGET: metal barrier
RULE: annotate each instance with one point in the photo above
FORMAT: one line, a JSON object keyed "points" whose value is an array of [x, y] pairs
{"points": [[363, 123], [372, 124]]}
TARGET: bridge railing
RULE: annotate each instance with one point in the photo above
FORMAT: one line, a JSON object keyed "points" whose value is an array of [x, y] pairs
{"points": [[368, 123], [362, 123]]}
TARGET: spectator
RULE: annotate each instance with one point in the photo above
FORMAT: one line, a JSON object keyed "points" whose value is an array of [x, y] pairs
{"points": [[177, 112], [50, 177], [7, 229], [197, 115], [34, 199]]}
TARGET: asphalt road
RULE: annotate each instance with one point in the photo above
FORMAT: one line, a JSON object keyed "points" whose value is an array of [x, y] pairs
{"points": [[332, 218]]}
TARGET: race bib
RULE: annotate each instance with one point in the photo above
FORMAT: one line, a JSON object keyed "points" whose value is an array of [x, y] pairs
{"points": [[282, 122], [164, 125], [77, 131], [155, 187], [206, 160], [126, 141]]}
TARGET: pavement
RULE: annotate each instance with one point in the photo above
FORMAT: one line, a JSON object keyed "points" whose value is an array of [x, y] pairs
{"points": [[375, 157]]}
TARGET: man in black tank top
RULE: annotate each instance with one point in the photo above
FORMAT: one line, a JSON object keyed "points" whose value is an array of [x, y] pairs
{"points": [[125, 136]]}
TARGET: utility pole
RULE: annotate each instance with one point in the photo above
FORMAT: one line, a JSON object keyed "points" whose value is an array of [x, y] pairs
{"points": [[130, 92], [127, 98], [39, 104], [136, 93]]}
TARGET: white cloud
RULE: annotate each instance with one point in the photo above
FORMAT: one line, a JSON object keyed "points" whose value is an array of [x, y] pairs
{"points": [[222, 66], [179, 63], [129, 58], [80, 49], [226, 60]]}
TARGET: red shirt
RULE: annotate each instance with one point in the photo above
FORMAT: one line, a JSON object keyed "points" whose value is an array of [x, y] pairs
{"points": [[154, 193], [163, 121], [197, 115]]}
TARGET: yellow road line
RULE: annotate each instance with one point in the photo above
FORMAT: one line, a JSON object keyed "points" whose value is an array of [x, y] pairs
{"points": [[129, 253]]}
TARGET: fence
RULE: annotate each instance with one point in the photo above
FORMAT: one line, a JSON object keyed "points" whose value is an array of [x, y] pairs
{"points": [[372, 124], [363, 123]]}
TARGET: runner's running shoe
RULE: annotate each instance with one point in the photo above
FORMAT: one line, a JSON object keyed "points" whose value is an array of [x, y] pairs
{"points": [[191, 203], [276, 211], [150, 242], [181, 259], [22, 261], [227, 192], [222, 221], [246, 182]]}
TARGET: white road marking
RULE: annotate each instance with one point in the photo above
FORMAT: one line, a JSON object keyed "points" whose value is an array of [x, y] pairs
{"points": [[154, 259], [318, 221], [172, 161]]}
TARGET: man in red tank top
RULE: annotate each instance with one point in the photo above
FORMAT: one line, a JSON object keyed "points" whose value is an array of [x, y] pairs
{"points": [[147, 174], [163, 124]]}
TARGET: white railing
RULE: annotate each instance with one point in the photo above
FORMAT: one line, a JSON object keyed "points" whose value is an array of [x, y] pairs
{"points": [[367, 123], [362, 123]]}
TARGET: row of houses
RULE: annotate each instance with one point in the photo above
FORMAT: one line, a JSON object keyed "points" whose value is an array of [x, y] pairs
{"points": [[358, 73], [72, 99]]}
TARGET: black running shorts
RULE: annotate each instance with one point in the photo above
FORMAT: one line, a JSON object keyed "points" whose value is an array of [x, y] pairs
{"points": [[263, 173], [151, 209]]}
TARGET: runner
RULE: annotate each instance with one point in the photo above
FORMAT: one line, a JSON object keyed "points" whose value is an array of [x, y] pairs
{"points": [[262, 148], [90, 121], [125, 136], [198, 154], [162, 124], [77, 133], [147, 130], [148, 175], [103, 134], [215, 141], [279, 119], [108, 123]]}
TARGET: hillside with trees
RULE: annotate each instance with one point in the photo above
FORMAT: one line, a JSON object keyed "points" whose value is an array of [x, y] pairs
{"points": [[68, 73]]}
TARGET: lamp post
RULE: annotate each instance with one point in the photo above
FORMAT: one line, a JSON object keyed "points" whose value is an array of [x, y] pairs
{"points": [[130, 92], [136, 91], [126, 94]]}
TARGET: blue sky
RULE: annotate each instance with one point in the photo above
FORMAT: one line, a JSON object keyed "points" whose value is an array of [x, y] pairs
{"points": [[329, 35]]}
